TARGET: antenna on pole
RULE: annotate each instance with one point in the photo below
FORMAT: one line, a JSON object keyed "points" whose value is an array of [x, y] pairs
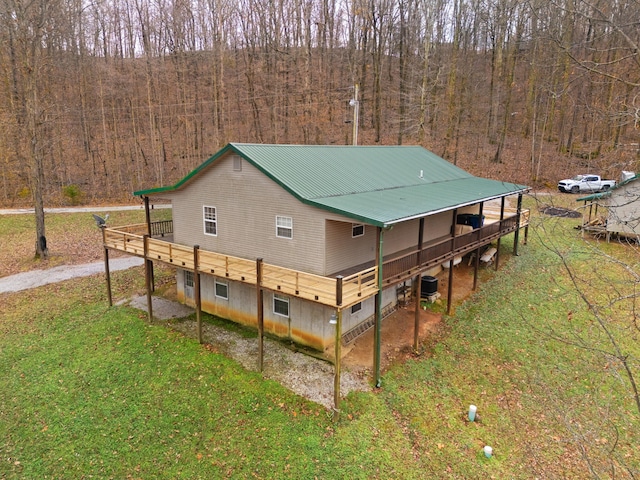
{"points": [[354, 102]]}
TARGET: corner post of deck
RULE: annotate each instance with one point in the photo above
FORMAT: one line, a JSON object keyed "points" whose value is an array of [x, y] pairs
{"points": [[338, 350], [453, 256], [260, 313], [476, 256], [378, 318], [481, 223], [147, 275], [106, 266], [147, 215], [516, 236], [500, 237], [417, 293], [416, 285], [196, 287]]}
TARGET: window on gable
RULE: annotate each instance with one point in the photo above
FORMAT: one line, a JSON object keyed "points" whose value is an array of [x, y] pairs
{"points": [[284, 227], [237, 164], [280, 305], [357, 230], [210, 221], [222, 290]]}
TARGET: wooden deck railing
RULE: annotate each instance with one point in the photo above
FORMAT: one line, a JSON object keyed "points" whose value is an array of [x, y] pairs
{"points": [[316, 288], [161, 228], [410, 264]]}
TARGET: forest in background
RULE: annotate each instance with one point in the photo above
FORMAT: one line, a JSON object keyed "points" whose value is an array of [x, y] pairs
{"points": [[101, 98]]}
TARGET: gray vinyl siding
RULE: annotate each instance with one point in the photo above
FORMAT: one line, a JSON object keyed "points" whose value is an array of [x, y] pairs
{"points": [[343, 251], [402, 236], [248, 202], [405, 235], [437, 226]]}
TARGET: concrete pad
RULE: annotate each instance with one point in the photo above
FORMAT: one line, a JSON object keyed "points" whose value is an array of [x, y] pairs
{"points": [[38, 278], [163, 309]]}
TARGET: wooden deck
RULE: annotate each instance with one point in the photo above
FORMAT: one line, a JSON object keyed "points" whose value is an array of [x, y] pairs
{"points": [[350, 289]]}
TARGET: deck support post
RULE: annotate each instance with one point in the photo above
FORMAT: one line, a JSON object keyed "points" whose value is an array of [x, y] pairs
{"points": [[260, 313], [338, 350], [378, 319], [147, 276], [147, 216], [417, 287], [476, 262], [500, 237], [516, 236], [197, 293], [106, 268], [450, 288], [416, 324], [453, 249]]}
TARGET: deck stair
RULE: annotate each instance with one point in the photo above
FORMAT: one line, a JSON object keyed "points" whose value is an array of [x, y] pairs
{"points": [[363, 327]]}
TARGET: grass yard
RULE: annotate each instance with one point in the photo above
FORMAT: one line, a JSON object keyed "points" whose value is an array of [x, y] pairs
{"points": [[88, 391], [71, 238]]}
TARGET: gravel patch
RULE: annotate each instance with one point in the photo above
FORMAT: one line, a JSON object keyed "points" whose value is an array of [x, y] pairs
{"points": [[304, 375]]}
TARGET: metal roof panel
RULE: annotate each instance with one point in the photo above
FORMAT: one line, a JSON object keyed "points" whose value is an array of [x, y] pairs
{"points": [[379, 185]]}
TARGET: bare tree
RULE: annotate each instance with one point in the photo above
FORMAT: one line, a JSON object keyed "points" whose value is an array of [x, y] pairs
{"points": [[26, 25]]}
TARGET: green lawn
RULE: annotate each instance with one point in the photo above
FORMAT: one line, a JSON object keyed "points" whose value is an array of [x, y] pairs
{"points": [[91, 391]]}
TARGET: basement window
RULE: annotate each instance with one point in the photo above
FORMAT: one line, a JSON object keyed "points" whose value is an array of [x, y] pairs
{"points": [[280, 305], [356, 308], [222, 290], [357, 230]]}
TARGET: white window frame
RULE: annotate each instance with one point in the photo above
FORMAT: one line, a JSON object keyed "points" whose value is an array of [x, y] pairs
{"points": [[189, 279], [284, 224], [284, 301], [210, 221], [237, 164], [354, 227], [222, 284]]}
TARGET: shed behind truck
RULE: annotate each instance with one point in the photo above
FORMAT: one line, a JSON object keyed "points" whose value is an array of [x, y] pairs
{"points": [[616, 211]]}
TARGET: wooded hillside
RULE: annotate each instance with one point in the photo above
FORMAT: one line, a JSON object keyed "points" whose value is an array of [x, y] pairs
{"points": [[98, 99]]}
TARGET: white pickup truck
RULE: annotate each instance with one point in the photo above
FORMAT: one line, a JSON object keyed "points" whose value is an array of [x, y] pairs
{"points": [[585, 183]]}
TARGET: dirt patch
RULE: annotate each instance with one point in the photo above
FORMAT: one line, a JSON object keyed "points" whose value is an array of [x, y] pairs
{"points": [[396, 339], [397, 332], [560, 212]]}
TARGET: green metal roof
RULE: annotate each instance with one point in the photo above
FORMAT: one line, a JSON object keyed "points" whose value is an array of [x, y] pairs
{"points": [[378, 185]]}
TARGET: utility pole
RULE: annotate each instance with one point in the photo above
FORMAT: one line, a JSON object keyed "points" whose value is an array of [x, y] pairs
{"points": [[356, 113]]}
